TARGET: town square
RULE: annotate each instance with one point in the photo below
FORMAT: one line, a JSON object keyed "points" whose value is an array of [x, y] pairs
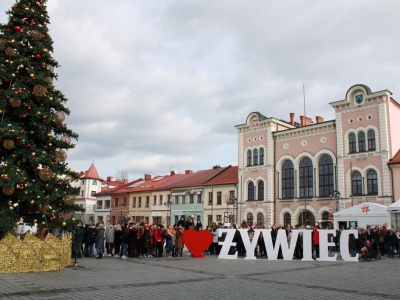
{"points": [[202, 149]]}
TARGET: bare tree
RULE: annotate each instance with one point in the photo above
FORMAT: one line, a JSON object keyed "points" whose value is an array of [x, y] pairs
{"points": [[121, 175]]}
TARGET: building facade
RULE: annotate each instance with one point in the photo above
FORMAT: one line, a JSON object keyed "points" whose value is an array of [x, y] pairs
{"points": [[300, 173]]}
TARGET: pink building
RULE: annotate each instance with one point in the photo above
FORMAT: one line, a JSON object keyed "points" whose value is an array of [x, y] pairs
{"points": [[291, 171]]}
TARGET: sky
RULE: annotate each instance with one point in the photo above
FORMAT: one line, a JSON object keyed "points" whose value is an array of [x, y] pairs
{"points": [[155, 86]]}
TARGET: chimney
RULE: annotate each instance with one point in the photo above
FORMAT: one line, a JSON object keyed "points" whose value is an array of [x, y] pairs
{"points": [[216, 167], [302, 121], [292, 119], [188, 171], [305, 121], [147, 177], [172, 173], [319, 119]]}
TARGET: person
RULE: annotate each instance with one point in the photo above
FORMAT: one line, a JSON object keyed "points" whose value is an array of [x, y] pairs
{"points": [[352, 245], [132, 239], [117, 240], [398, 241], [124, 241], [91, 234], [145, 241], [169, 234], [110, 231], [159, 240], [382, 245], [214, 245], [179, 241], [99, 241], [199, 226], [151, 241], [78, 240], [391, 242], [315, 239]]}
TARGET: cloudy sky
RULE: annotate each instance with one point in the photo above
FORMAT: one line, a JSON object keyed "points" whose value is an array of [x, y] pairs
{"points": [[155, 85]]}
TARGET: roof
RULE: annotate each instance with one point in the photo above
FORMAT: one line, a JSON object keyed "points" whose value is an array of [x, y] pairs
{"points": [[365, 209], [91, 173], [172, 181], [147, 184], [394, 206], [201, 177], [395, 159], [229, 176]]}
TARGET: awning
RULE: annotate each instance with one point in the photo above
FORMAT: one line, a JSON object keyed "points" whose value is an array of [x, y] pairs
{"points": [[395, 206]]}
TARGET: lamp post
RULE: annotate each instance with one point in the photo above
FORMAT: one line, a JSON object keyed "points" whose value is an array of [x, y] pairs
{"points": [[122, 207], [336, 195], [168, 204]]}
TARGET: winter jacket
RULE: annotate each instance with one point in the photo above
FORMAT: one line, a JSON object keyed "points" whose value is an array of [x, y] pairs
{"points": [[315, 237], [110, 232], [91, 234], [100, 238]]}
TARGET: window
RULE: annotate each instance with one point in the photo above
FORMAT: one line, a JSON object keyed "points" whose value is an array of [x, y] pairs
{"points": [[83, 182], [100, 204], [260, 193], [154, 200], [255, 157], [231, 194], [176, 199], [183, 199], [92, 193], [287, 219], [199, 198], [94, 182], [123, 201], [134, 202], [361, 141], [82, 193], [261, 156], [210, 198], [260, 219], [147, 201], [219, 218], [325, 176], [115, 202], [250, 191], [249, 158], [372, 182], [219, 198], [169, 199], [191, 199], [306, 178], [139, 202], [108, 203], [352, 143], [371, 140], [250, 219], [356, 183], [160, 200], [209, 220], [287, 180]]}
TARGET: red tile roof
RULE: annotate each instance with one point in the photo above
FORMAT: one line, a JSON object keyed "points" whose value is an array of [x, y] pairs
{"points": [[395, 159], [173, 180], [229, 176], [201, 177], [92, 173], [148, 184]]}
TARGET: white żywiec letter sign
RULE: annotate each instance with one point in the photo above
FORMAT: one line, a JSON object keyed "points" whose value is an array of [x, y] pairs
{"points": [[287, 249]]}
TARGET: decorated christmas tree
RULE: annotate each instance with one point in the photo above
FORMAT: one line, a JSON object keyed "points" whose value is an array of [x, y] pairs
{"points": [[34, 137]]}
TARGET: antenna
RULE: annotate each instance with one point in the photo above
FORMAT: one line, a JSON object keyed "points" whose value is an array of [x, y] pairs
{"points": [[304, 99]]}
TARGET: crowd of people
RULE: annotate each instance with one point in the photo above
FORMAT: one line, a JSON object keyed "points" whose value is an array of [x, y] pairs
{"points": [[141, 240]]}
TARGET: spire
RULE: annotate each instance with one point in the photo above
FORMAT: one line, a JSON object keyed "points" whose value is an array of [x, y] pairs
{"points": [[91, 173]]}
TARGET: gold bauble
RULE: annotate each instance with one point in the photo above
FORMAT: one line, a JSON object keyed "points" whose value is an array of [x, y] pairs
{"points": [[64, 223], [32, 202]]}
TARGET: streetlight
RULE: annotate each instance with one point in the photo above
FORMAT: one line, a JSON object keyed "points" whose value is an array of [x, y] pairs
{"points": [[168, 204], [336, 195], [122, 207]]}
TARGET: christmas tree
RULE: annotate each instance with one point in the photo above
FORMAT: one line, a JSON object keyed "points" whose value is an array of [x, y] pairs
{"points": [[35, 177]]}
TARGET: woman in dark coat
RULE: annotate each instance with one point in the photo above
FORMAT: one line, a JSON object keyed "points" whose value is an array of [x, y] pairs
{"points": [[132, 239], [392, 242], [100, 241], [145, 240], [91, 234], [124, 241]]}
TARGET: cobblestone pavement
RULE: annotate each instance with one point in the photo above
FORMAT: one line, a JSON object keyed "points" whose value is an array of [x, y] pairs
{"points": [[209, 278]]}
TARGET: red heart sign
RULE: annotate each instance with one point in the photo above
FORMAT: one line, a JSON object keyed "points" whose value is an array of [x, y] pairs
{"points": [[197, 242]]}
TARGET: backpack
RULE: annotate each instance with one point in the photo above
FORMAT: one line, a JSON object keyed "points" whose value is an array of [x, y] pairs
{"points": [[93, 234]]}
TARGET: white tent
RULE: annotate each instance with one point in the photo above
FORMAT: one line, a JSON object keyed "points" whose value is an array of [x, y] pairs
{"points": [[362, 215], [395, 206]]}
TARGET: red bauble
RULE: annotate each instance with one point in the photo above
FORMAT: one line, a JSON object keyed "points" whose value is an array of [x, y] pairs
{"points": [[21, 31], [38, 56], [28, 146], [44, 117], [51, 218], [23, 116], [17, 28], [29, 108], [60, 217], [21, 184], [3, 171], [58, 183], [60, 204], [17, 138], [29, 213], [44, 128], [5, 177], [21, 131], [66, 142]]}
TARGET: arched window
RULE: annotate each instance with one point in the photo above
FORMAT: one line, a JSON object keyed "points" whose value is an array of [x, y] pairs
{"points": [[352, 143], [94, 182], [287, 219], [325, 165], [250, 191], [249, 157], [260, 193], [371, 140], [260, 220], [361, 141], [261, 156], [255, 157], [372, 182], [250, 219], [356, 183], [306, 178], [287, 180]]}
